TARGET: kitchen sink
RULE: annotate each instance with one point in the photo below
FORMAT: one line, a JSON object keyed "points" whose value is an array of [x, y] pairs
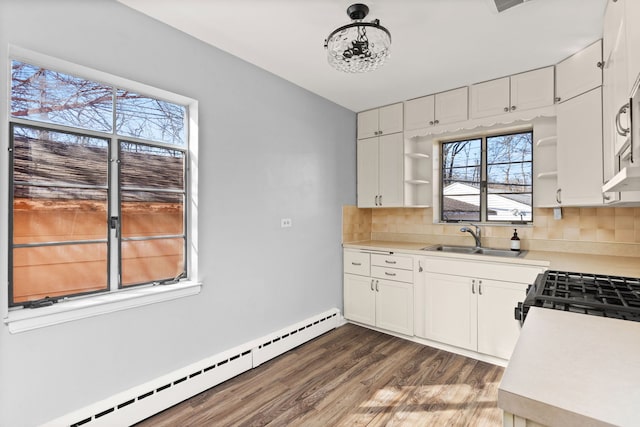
{"points": [[476, 251]]}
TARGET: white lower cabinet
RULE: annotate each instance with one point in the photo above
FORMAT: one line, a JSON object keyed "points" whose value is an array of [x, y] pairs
{"points": [[359, 299], [498, 331], [450, 311], [466, 304], [394, 306], [382, 298], [471, 312]]}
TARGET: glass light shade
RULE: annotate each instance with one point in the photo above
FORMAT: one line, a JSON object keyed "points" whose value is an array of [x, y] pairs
{"points": [[358, 47]]}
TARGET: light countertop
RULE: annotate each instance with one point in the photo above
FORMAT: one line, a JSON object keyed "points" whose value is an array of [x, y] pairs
{"points": [[564, 261], [572, 369]]}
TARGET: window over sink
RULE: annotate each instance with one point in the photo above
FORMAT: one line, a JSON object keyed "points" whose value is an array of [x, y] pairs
{"points": [[487, 179]]}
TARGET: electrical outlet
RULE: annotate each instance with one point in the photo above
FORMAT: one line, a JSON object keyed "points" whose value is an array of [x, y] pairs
{"points": [[285, 222]]}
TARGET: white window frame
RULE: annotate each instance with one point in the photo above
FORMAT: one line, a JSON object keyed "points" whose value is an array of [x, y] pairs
{"points": [[489, 131], [20, 319]]}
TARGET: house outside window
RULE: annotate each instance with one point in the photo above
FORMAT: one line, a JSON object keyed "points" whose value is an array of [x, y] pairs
{"points": [[487, 179], [99, 186]]}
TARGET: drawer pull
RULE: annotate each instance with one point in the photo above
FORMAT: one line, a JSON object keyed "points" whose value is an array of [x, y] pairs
{"points": [[389, 274], [389, 262], [377, 287], [372, 284], [356, 263]]}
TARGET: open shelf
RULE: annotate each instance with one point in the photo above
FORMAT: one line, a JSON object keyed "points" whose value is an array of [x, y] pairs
{"points": [[418, 156], [550, 140], [547, 175]]}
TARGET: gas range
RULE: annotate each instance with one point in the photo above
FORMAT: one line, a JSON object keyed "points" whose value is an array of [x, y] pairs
{"points": [[594, 294]]}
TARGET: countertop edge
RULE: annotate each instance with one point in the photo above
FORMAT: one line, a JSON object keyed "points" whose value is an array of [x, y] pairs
{"points": [[564, 261], [544, 413]]}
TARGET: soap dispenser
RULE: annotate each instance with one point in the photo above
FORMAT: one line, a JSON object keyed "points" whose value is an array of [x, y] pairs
{"points": [[515, 241]]}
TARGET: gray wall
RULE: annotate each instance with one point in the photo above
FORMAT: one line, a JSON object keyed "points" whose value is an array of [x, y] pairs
{"points": [[268, 149]]}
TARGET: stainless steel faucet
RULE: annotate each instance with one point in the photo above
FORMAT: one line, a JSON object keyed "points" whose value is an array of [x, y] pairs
{"points": [[477, 235]]}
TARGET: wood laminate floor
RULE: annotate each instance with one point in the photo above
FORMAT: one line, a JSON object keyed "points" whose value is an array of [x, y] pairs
{"points": [[351, 376]]}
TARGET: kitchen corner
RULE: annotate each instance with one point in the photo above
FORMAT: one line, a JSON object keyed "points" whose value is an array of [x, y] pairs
{"points": [[567, 369], [571, 369]]}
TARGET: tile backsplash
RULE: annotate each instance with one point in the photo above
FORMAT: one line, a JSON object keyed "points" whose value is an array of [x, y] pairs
{"points": [[605, 230]]}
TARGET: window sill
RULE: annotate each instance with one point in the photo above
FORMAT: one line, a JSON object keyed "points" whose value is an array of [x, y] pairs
{"points": [[67, 311]]}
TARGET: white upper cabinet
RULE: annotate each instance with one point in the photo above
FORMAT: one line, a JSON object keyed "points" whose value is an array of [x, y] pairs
{"points": [[381, 171], [490, 98], [579, 150], [380, 121], [532, 89], [420, 112], [632, 13], [439, 109], [524, 91], [579, 73]]}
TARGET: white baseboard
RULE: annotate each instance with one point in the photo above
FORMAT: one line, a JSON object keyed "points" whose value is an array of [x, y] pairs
{"points": [[145, 400]]}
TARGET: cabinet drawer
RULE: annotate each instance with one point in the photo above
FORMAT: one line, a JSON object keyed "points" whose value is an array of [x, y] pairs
{"points": [[392, 274], [393, 261], [356, 263]]}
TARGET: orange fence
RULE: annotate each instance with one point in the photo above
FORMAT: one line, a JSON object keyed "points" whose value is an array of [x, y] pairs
{"points": [[77, 268]]}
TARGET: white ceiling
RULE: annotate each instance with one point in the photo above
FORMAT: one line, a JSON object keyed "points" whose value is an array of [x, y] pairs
{"points": [[436, 44]]}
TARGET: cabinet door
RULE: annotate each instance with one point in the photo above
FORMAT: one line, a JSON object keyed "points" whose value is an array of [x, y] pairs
{"points": [[367, 172], [498, 331], [359, 299], [532, 89], [390, 119], [632, 14], [394, 306], [368, 124], [452, 106], [489, 98], [619, 83], [579, 150], [450, 310], [391, 170], [579, 73], [419, 113]]}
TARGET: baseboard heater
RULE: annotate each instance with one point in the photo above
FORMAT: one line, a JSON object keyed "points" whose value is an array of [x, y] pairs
{"points": [[145, 400]]}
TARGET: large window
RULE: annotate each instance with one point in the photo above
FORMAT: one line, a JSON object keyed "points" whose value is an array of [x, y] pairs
{"points": [[98, 187], [487, 178]]}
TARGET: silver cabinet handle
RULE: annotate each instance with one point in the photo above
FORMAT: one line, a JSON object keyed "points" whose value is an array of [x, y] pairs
{"points": [[419, 266], [376, 201], [621, 130], [389, 274], [356, 263], [372, 280], [600, 64], [436, 121], [558, 99], [480, 287], [389, 261], [558, 194], [473, 286], [377, 287], [380, 199], [431, 122], [513, 108], [506, 109]]}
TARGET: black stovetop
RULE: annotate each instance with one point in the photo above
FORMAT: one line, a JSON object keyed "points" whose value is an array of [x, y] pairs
{"points": [[599, 295]]}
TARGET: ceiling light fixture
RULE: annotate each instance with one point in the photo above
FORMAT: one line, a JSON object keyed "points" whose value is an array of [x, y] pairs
{"points": [[360, 46]]}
